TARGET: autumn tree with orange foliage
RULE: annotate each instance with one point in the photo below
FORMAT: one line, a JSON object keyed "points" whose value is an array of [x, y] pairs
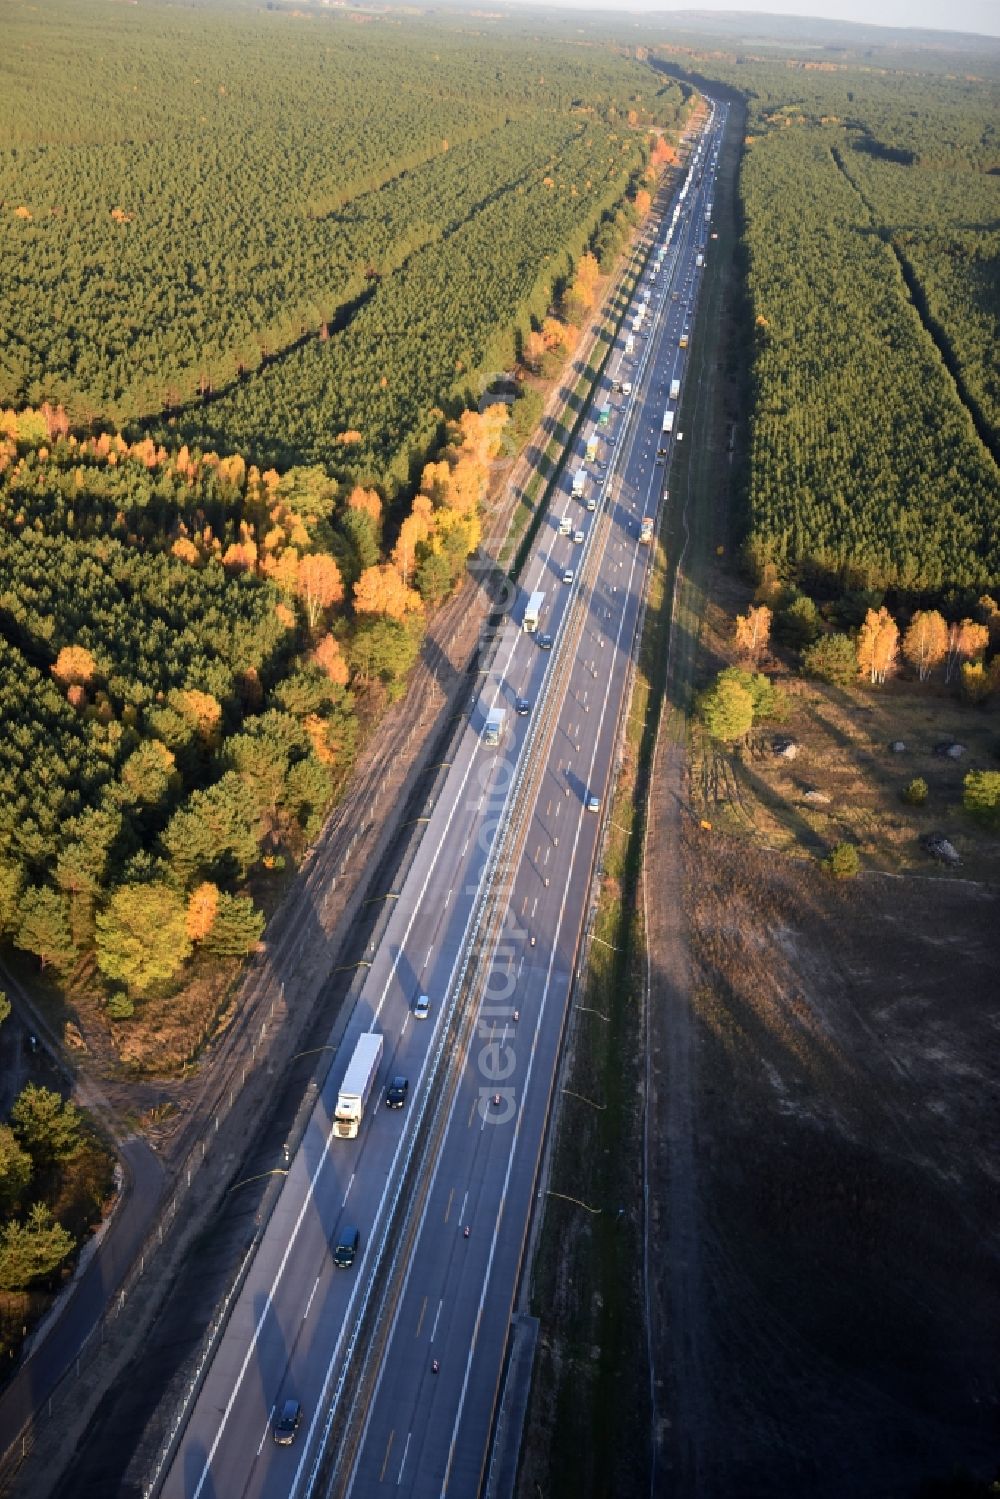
{"points": [[966, 641], [381, 590], [643, 202], [74, 667], [203, 903], [318, 585], [753, 631], [330, 658], [415, 528], [925, 643], [368, 500], [878, 645], [202, 710]]}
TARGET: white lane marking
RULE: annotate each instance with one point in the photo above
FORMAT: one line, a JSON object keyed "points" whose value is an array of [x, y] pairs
{"points": [[428, 957], [350, 1184], [461, 1211], [402, 1465], [436, 1316], [448, 897], [267, 1427], [531, 1063], [309, 1303], [534, 905], [646, 353]]}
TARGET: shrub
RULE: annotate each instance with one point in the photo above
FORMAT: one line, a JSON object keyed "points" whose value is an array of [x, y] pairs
{"points": [[915, 794], [832, 659], [981, 795], [842, 862]]}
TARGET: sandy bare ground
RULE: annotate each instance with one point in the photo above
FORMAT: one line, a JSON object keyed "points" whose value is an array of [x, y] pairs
{"points": [[826, 1169]]}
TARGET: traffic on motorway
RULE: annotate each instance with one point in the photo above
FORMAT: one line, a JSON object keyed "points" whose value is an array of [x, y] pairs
{"points": [[437, 1075]]}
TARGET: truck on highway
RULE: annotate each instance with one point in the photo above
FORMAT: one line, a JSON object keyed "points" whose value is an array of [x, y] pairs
{"points": [[646, 529], [630, 343], [592, 448], [356, 1086], [699, 260], [579, 483], [605, 416], [533, 609], [682, 342], [675, 389], [668, 421], [494, 726]]}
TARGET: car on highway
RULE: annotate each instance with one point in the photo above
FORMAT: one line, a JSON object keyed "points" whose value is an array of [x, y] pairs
{"points": [[286, 1423], [578, 538], [591, 502], [395, 1093], [593, 803], [544, 642], [568, 575], [421, 1007], [522, 707], [626, 387], [345, 1250]]}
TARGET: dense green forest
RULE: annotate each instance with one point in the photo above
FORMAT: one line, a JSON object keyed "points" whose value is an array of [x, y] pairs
{"points": [[189, 648], [371, 211], [870, 201], [251, 288]]}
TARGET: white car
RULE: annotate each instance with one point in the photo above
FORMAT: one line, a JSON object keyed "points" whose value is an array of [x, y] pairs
{"points": [[593, 803], [578, 538], [568, 575], [421, 1007]]}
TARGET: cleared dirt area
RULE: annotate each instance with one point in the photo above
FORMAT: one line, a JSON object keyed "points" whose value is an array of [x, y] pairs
{"points": [[841, 1075]]}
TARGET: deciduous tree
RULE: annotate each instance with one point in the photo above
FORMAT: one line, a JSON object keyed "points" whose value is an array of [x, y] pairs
{"points": [[381, 590], [878, 645], [318, 585], [202, 905], [727, 710], [925, 643], [965, 641], [753, 631]]}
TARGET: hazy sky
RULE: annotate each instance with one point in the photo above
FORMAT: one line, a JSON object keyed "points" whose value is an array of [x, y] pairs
{"points": [[982, 16]]}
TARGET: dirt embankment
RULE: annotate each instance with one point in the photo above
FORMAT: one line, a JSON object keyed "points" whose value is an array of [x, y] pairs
{"points": [[837, 1322]]}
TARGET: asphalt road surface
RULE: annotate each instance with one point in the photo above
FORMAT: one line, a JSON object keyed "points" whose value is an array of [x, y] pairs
{"points": [[291, 1331]]}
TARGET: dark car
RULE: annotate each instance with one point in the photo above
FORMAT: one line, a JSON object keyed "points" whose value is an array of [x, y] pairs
{"points": [[522, 707], [286, 1423], [395, 1093], [346, 1248], [545, 642]]}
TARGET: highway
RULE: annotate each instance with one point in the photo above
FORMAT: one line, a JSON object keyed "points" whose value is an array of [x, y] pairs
{"points": [[513, 818]]}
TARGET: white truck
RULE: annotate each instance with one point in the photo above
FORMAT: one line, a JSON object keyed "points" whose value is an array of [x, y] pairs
{"points": [[668, 421], [630, 343], [357, 1085], [675, 389], [494, 726], [579, 483], [533, 608], [699, 260]]}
